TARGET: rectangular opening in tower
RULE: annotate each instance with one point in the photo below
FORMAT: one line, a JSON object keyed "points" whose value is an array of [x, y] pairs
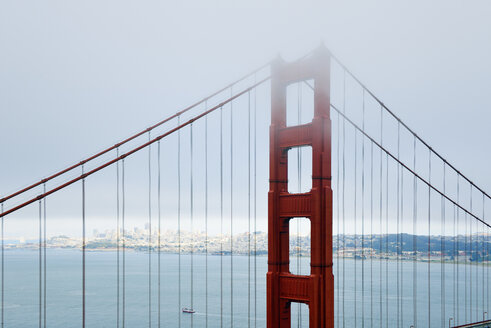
{"points": [[299, 315], [300, 246], [300, 103], [299, 169]]}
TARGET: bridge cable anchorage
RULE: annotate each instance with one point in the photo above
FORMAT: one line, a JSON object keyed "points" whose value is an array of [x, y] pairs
{"points": [[123, 209], [117, 242], [221, 217], [206, 218], [179, 215], [159, 246], [83, 249], [385, 107], [149, 231], [119, 144]]}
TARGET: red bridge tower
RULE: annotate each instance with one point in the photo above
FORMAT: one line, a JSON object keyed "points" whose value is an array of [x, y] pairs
{"points": [[317, 289]]}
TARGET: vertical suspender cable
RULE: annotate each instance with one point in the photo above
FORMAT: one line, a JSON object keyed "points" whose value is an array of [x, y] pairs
{"points": [[117, 240], [255, 202], [487, 254], [442, 251], [371, 235], [40, 263], [149, 234], [401, 244], [249, 210], [457, 313], [299, 172], [179, 215], [380, 214], [192, 219], [398, 244], [470, 251], [231, 212], [354, 204], [363, 218], [386, 240], [415, 248], [123, 208], [3, 271], [123, 213], [429, 238], [338, 187], [83, 250], [221, 217], [343, 196], [206, 217], [465, 266], [455, 248], [44, 256], [159, 246]]}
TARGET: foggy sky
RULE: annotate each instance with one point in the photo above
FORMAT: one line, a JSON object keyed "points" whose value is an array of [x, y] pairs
{"points": [[76, 77]]}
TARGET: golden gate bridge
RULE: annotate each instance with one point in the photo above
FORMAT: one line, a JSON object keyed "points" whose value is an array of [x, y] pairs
{"points": [[397, 234]]}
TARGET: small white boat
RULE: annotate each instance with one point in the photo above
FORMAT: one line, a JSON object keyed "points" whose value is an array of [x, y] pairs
{"points": [[188, 310]]}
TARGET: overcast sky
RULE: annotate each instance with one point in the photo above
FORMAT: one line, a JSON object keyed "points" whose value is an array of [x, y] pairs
{"points": [[78, 76]]}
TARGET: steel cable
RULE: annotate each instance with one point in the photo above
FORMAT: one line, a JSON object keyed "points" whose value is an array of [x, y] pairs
{"points": [[149, 233], [343, 197], [123, 210], [40, 264], [415, 249], [442, 252], [355, 276], [429, 245], [44, 260], [380, 218], [179, 217], [206, 220], [231, 213], [363, 220], [192, 219], [117, 241], [83, 250], [221, 217], [159, 246], [249, 210]]}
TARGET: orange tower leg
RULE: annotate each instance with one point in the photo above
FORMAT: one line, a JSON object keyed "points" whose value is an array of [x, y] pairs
{"points": [[283, 288]]}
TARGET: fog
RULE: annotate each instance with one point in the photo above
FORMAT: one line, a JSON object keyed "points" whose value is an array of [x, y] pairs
{"points": [[76, 77]]}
